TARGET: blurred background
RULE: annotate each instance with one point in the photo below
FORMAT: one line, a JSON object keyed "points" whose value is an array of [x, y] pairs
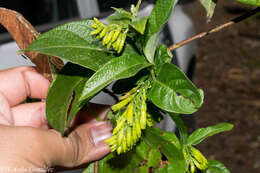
{"points": [[227, 66], [228, 70]]}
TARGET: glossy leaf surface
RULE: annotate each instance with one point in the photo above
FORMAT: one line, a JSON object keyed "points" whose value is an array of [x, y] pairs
{"points": [[72, 42], [173, 92], [200, 134], [118, 68]]}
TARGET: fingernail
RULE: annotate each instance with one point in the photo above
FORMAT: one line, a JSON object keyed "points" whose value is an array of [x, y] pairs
{"points": [[100, 132]]}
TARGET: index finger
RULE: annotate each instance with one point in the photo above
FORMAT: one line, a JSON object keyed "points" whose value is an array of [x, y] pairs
{"points": [[16, 84]]}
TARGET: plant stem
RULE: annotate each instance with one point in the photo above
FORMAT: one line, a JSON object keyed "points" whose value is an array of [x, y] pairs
{"points": [[216, 29], [96, 167]]}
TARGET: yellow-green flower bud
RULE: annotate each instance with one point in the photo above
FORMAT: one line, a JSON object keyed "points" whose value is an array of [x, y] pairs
{"points": [[120, 137], [128, 137], [109, 45], [122, 42], [117, 32], [130, 113], [119, 150], [109, 37], [98, 22], [94, 25], [198, 156], [104, 31], [95, 32], [123, 103], [137, 127], [192, 167]]}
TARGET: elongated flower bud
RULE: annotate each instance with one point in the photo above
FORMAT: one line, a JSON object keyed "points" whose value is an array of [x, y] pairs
{"points": [[103, 33], [117, 32], [128, 137], [130, 113], [122, 42], [122, 104], [198, 156], [95, 32]]}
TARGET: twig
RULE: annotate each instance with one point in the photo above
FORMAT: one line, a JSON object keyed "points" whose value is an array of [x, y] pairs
{"points": [[96, 167], [216, 29]]}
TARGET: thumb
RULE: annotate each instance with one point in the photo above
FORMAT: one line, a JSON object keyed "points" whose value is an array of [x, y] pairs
{"points": [[83, 145]]}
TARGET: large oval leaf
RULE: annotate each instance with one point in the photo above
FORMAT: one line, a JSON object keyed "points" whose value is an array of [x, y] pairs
{"points": [[200, 134], [72, 42], [118, 68], [251, 2], [172, 91], [60, 95]]}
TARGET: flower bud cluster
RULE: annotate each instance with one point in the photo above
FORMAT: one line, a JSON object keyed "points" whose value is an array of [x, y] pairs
{"points": [[111, 34], [194, 158], [134, 118]]}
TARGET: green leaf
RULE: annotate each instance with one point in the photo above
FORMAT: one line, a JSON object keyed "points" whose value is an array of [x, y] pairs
{"points": [[124, 163], [162, 56], [209, 6], [119, 68], [154, 158], [160, 15], [157, 19], [60, 95], [215, 166], [139, 24], [200, 134], [72, 42], [150, 47], [250, 2], [173, 154], [173, 92]]}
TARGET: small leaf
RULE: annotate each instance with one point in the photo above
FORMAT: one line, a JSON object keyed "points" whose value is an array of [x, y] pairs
{"points": [[200, 134], [209, 6], [173, 92], [250, 2], [157, 19], [215, 166], [72, 42], [119, 68], [162, 56], [139, 24], [60, 95], [150, 47]]}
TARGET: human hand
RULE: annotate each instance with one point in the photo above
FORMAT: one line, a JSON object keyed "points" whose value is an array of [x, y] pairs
{"points": [[25, 138]]}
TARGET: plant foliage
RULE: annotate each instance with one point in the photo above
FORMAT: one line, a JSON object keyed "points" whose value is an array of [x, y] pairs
{"points": [[126, 49]]}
